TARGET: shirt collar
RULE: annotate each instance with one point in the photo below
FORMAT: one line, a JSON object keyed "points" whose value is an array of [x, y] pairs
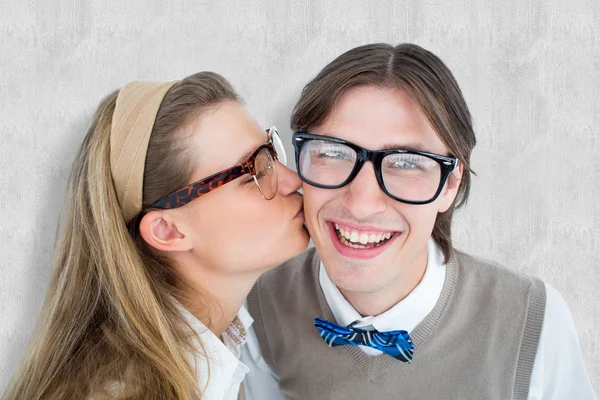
{"points": [[226, 370], [236, 334], [406, 314]]}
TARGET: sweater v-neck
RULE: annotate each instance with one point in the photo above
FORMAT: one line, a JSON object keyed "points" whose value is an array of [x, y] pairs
{"points": [[373, 366]]}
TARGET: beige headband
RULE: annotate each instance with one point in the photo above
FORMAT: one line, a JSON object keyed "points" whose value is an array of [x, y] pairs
{"points": [[133, 119]]}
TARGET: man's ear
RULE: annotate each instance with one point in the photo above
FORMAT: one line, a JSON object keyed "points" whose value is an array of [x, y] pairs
{"points": [[160, 231], [450, 189]]}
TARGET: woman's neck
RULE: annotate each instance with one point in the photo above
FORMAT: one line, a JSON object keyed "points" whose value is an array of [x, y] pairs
{"points": [[215, 298]]}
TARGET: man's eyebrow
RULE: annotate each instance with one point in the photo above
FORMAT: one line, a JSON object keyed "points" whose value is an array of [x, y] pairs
{"points": [[407, 146]]}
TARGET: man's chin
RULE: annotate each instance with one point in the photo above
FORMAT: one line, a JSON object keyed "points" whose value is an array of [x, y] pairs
{"points": [[353, 278]]}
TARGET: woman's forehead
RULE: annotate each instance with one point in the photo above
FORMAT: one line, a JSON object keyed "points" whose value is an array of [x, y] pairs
{"points": [[223, 137]]}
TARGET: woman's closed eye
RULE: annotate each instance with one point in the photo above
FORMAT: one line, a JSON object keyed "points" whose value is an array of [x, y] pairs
{"points": [[250, 179], [260, 175]]}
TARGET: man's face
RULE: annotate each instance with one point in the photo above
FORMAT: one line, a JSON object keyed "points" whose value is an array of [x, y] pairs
{"points": [[374, 118]]}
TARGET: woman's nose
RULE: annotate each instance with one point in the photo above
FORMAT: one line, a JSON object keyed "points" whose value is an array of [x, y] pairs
{"points": [[288, 181]]}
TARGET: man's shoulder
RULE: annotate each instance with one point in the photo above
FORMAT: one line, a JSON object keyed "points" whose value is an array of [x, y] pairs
{"points": [[484, 270], [286, 289], [293, 270]]}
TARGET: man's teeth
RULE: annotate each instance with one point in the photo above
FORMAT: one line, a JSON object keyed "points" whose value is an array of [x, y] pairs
{"points": [[355, 239]]}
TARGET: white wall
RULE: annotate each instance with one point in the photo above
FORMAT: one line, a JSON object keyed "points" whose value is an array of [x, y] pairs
{"points": [[529, 71]]}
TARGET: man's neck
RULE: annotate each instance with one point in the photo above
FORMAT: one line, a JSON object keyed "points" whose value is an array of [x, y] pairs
{"points": [[376, 303]]}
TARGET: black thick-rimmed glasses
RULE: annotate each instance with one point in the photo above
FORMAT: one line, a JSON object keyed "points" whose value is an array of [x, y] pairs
{"points": [[408, 176], [260, 165]]}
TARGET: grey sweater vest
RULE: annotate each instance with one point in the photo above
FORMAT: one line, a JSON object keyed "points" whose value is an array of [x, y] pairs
{"points": [[479, 342]]}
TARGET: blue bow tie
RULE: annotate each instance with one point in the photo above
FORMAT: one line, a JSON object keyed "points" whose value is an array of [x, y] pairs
{"points": [[397, 344]]}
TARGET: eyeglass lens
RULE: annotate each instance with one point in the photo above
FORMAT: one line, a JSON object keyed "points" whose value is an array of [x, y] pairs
{"points": [[411, 177]]}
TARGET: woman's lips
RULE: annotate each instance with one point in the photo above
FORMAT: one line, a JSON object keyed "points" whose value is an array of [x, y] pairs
{"points": [[300, 213]]}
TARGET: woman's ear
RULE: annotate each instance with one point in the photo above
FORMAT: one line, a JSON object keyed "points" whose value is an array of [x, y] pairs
{"points": [[160, 231]]}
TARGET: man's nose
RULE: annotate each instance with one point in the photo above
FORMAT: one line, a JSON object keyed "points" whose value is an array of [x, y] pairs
{"points": [[363, 196]]}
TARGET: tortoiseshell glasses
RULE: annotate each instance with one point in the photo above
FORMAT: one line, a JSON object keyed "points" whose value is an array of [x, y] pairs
{"points": [[260, 165]]}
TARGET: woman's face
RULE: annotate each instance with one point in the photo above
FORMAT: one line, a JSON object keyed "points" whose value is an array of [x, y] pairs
{"points": [[233, 228]]}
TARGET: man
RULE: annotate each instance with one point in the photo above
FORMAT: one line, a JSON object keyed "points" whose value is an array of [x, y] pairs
{"points": [[385, 307]]}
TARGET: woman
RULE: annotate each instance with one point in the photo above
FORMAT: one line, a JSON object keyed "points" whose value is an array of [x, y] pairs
{"points": [[177, 205]]}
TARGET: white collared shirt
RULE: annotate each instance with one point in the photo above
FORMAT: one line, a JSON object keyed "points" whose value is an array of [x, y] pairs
{"points": [[558, 372], [219, 369]]}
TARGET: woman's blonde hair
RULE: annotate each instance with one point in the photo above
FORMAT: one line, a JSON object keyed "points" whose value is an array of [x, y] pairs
{"points": [[109, 327]]}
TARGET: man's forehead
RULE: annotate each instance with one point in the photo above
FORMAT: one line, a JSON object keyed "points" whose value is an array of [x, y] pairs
{"points": [[379, 118], [387, 140]]}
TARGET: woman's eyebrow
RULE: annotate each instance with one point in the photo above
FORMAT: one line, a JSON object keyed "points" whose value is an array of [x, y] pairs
{"points": [[245, 156]]}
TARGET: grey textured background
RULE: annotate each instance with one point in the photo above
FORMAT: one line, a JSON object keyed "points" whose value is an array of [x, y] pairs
{"points": [[528, 69]]}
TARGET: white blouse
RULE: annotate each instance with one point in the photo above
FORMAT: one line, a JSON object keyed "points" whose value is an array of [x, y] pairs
{"points": [[219, 369]]}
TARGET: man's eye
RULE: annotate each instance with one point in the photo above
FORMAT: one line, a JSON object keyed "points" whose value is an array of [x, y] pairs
{"points": [[410, 162], [331, 154], [401, 164]]}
